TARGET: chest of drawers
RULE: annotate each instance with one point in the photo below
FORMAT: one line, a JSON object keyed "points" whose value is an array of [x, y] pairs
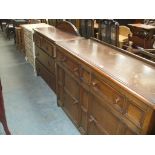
{"points": [[45, 47], [28, 31]]}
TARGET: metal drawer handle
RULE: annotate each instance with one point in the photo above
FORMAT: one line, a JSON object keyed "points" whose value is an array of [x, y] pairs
{"points": [[117, 100], [91, 119], [75, 101], [94, 84]]}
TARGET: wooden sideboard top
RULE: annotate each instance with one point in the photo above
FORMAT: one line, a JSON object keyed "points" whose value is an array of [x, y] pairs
{"points": [[143, 26], [133, 74], [55, 34]]}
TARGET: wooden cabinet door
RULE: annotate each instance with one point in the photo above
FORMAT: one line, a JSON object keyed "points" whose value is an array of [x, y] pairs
{"points": [[60, 85], [101, 119], [84, 98], [71, 98]]}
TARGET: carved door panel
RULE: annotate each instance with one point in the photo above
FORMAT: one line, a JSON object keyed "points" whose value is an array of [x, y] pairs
{"points": [[71, 98], [101, 119], [84, 98], [60, 85]]}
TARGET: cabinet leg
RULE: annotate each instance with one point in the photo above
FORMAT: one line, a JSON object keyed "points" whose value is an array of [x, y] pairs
{"points": [[5, 126]]}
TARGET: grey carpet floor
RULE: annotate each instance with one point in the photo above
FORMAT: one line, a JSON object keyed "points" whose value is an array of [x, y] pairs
{"points": [[30, 105]]}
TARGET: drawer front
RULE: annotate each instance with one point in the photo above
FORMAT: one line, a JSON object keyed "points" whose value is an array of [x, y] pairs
{"points": [[28, 33], [68, 63], [47, 61], [108, 94], [49, 78], [102, 118], [48, 47], [28, 41], [30, 48], [42, 72]]}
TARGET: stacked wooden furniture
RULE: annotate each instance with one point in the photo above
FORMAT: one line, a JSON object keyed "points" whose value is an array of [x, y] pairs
{"points": [[45, 41], [29, 42], [142, 35], [103, 89], [2, 112]]}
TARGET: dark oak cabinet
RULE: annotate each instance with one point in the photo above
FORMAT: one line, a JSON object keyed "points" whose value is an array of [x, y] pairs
{"points": [[93, 86]]}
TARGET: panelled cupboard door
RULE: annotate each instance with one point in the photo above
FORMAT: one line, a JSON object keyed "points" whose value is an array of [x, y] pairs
{"points": [[60, 84], [84, 99], [71, 98], [101, 119]]}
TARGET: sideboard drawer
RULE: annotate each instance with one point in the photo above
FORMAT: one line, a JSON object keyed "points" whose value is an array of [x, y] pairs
{"points": [[68, 63], [28, 33], [47, 61], [42, 57], [108, 93], [48, 47], [42, 72]]}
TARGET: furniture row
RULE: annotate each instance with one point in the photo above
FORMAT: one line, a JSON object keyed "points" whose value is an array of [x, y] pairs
{"points": [[103, 89]]}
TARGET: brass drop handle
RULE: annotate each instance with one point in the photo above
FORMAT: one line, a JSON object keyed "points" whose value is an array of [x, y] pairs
{"points": [[94, 84], [75, 101], [117, 100], [91, 119]]}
